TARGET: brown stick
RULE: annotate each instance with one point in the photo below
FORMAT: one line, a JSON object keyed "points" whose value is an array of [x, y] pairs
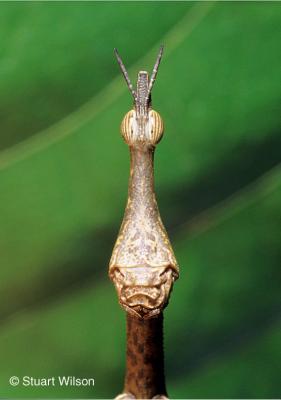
{"points": [[145, 357]]}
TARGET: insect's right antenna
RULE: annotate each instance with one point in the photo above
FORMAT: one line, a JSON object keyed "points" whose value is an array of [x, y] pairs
{"points": [[125, 73], [155, 70]]}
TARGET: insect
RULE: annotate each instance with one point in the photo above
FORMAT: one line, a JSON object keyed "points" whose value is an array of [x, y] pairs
{"points": [[142, 266]]}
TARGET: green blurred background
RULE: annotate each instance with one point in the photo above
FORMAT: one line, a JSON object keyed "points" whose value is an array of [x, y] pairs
{"points": [[63, 187]]}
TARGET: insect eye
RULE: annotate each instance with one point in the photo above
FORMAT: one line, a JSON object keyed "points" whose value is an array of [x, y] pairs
{"points": [[128, 126], [156, 126]]}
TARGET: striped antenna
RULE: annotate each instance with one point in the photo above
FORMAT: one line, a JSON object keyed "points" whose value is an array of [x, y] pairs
{"points": [[125, 74], [155, 70]]}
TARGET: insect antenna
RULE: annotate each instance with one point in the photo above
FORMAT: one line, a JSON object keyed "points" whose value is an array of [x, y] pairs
{"points": [[155, 70], [125, 73]]}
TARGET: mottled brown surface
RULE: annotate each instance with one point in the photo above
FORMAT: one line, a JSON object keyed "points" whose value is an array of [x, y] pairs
{"points": [[143, 266], [145, 358]]}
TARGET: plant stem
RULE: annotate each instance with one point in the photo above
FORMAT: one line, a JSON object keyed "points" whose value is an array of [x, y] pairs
{"points": [[145, 357]]}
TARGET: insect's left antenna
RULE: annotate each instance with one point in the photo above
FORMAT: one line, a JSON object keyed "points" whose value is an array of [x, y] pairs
{"points": [[125, 73], [155, 70]]}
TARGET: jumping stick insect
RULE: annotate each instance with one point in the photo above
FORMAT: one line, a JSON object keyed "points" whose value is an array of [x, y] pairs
{"points": [[143, 266]]}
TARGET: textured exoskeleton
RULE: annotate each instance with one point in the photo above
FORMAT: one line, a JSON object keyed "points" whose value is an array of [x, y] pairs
{"points": [[143, 266]]}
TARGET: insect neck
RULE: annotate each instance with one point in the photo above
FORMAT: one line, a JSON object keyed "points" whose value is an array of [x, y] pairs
{"points": [[141, 183]]}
